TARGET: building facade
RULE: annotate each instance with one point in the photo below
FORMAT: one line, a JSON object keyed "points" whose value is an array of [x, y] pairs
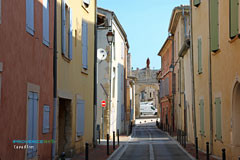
{"points": [[146, 87], [75, 75], [111, 74], [215, 27], [26, 81]]}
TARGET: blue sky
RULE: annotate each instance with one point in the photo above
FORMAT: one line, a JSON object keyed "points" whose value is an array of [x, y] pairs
{"points": [[146, 24]]}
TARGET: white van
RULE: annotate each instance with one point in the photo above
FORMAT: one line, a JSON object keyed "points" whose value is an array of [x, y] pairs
{"points": [[146, 109]]}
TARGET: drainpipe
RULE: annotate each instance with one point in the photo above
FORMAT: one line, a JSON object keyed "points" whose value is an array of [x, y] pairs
{"points": [[192, 74], [95, 78], [173, 105], [54, 80], [210, 83]]}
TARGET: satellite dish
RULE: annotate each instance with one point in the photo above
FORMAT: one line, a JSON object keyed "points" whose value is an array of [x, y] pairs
{"points": [[101, 54]]}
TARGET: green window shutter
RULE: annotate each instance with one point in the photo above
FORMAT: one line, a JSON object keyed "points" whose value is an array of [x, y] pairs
{"points": [[201, 105], [199, 55], [233, 18], [218, 119], [196, 2], [214, 29]]}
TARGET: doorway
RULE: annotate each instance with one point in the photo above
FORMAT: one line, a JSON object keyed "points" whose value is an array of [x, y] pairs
{"points": [[64, 126], [235, 115]]}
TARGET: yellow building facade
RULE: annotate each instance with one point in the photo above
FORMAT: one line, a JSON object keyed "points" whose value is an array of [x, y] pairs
{"points": [[216, 45], [76, 21]]}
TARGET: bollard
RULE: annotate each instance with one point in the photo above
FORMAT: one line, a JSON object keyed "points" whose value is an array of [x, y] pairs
{"points": [[177, 135], [196, 145], [86, 151], [118, 136], [113, 140], [223, 154], [107, 144], [184, 139], [99, 135], [207, 150]]}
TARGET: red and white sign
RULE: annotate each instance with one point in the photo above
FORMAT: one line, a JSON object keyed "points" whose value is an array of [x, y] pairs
{"points": [[103, 103]]}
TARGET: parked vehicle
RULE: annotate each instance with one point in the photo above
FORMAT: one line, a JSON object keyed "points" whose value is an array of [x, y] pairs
{"points": [[147, 108]]}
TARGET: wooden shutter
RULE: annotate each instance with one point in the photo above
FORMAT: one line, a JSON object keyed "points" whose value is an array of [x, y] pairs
{"points": [[30, 16], [63, 28], [199, 55], [85, 45], [201, 104], [80, 117], [196, 2], [70, 34], [214, 25], [30, 123], [46, 22], [234, 4], [218, 119], [46, 112]]}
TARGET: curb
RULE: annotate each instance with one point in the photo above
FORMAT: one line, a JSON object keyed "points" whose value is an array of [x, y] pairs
{"points": [[189, 155], [116, 151]]}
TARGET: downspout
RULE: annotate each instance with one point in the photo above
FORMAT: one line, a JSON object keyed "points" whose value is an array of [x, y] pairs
{"points": [[192, 72], [54, 81], [111, 70], [210, 83], [95, 78], [173, 103]]}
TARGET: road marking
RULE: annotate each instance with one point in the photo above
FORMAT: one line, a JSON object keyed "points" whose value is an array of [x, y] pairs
{"points": [[151, 152]]}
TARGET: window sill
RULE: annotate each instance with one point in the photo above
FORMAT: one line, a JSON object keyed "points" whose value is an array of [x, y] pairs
{"points": [[66, 58], [233, 40], [85, 8], [84, 71], [217, 52]]}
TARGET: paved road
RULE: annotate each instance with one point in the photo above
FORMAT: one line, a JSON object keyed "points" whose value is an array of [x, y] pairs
{"points": [[150, 143]]}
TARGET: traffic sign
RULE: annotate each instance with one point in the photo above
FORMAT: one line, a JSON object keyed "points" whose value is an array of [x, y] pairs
{"points": [[103, 103]]}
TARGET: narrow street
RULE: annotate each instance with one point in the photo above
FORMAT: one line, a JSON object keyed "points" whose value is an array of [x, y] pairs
{"points": [[150, 143]]}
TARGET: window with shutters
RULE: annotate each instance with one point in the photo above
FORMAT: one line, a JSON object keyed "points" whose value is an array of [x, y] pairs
{"points": [[46, 113], [218, 118], [30, 16], [85, 45], [46, 22], [214, 25], [32, 123], [199, 55], [234, 11], [80, 117], [201, 108], [196, 3], [66, 30]]}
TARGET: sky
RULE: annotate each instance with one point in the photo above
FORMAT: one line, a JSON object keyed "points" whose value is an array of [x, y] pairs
{"points": [[146, 25]]}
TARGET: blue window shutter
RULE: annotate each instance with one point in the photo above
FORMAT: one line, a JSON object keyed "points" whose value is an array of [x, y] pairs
{"points": [[63, 28], [85, 45], [70, 34], [46, 112], [80, 117], [30, 123], [30, 16], [46, 22], [35, 122]]}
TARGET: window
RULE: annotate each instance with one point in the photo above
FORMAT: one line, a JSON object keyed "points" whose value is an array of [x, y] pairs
{"points": [[218, 119], [122, 50], [32, 123], [199, 55], [46, 22], [214, 25], [46, 111], [85, 44], [196, 3], [80, 117], [201, 107], [86, 3], [30, 16], [234, 4], [114, 47], [66, 30]]}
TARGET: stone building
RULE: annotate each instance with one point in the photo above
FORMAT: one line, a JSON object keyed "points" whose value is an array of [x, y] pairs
{"points": [[147, 87]]}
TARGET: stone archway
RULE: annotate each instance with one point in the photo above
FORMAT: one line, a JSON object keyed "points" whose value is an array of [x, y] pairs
{"points": [[236, 115]]}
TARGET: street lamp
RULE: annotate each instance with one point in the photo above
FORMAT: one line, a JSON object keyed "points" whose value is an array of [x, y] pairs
{"points": [[110, 36], [171, 68]]}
